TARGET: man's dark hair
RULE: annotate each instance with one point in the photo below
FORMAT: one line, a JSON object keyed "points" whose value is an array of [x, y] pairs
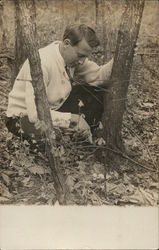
{"points": [[76, 32]]}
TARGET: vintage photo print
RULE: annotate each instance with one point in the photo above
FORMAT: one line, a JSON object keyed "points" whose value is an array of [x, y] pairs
{"points": [[79, 153]]}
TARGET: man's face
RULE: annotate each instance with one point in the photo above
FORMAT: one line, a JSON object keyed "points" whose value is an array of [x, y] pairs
{"points": [[75, 55]]}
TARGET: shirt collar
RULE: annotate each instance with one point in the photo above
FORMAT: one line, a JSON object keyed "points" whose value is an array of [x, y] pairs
{"points": [[59, 56]]}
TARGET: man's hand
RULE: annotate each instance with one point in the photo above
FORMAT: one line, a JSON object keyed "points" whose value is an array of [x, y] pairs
{"points": [[79, 123]]}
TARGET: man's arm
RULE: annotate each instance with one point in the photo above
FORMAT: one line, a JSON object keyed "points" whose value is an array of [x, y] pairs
{"points": [[94, 74], [59, 119]]}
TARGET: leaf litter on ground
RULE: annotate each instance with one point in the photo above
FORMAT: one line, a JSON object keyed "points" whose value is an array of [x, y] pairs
{"points": [[26, 178]]}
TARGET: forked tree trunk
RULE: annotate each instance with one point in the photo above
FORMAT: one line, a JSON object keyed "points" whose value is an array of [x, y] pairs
{"points": [[29, 42], [114, 103]]}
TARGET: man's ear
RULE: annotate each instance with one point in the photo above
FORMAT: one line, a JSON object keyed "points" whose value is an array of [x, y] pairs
{"points": [[67, 42]]}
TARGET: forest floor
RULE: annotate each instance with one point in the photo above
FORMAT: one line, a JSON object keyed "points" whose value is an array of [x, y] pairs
{"points": [[25, 176]]}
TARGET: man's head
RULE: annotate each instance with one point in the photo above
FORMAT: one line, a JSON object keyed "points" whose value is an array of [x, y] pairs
{"points": [[78, 42]]}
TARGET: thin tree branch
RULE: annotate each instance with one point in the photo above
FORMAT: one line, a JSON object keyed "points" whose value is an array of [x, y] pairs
{"points": [[122, 154], [146, 147]]}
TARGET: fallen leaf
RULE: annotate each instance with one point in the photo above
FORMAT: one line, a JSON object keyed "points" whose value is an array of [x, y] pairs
{"points": [[21, 172], [9, 172], [100, 141], [84, 191], [37, 169], [118, 189], [9, 136], [126, 179], [148, 197], [26, 143], [57, 203], [6, 179], [154, 185], [133, 200], [100, 126], [139, 197], [80, 104], [115, 174], [94, 176], [111, 187], [108, 177], [130, 188], [26, 181], [61, 151], [70, 183], [50, 201], [6, 155], [3, 199], [101, 176], [4, 191], [148, 105]]}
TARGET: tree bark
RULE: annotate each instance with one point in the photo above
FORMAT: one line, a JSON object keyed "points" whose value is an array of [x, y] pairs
{"points": [[28, 30], [1, 25], [20, 55], [114, 102]]}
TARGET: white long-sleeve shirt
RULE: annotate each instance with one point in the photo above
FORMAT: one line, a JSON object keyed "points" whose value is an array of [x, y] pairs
{"points": [[58, 86]]}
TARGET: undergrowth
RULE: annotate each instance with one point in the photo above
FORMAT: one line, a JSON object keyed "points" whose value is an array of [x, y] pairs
{"points": [[26, 178]]}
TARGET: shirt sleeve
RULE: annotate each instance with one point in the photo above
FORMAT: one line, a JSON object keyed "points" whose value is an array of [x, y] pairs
{"points": [[59, 119], [94, 74]]}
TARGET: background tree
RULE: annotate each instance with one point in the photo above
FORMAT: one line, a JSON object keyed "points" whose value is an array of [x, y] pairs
{"points": [[21, 54], [115, 99]]}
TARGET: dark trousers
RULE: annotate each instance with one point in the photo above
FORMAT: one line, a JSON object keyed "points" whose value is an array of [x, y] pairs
{"points": [[22, 127], [91, 97]]}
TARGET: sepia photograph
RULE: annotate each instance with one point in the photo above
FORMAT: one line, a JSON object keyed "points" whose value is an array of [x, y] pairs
{"points": [[79, 87]]}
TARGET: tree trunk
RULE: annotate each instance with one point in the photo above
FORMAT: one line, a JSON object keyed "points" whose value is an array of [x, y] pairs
{"points": [[114, 103], [20, 54], [1, 25], [28, 29]]}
